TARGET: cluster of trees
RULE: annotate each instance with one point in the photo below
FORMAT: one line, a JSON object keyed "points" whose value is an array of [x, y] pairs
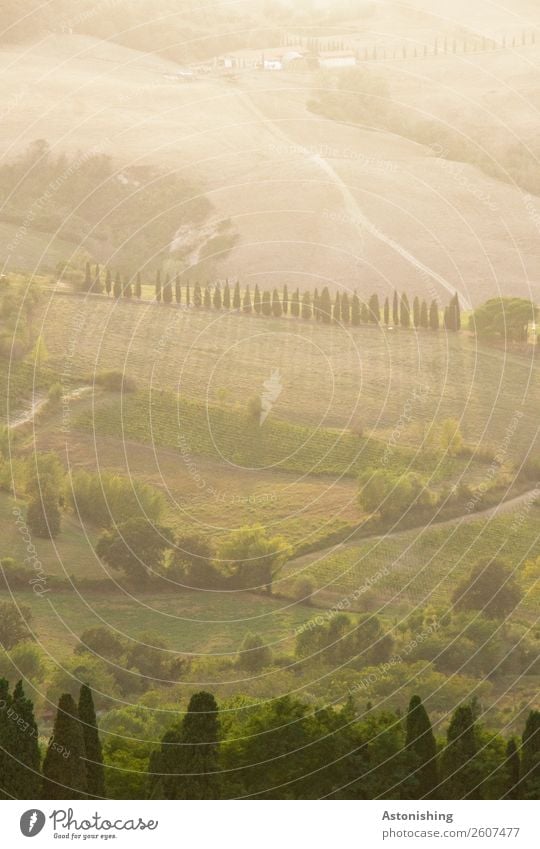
{"points": [[505, 319], [342, 308], [248, 558], [72, 767], [285, 750]]}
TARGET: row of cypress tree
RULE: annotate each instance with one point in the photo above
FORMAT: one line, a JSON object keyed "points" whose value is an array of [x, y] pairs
{"points": [[73, 764], [342, 309]]}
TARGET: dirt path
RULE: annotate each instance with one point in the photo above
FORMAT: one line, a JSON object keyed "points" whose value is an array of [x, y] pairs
{"points": [[508, 506]]}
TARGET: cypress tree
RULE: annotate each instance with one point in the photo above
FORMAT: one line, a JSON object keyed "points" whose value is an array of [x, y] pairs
{"points": [[5, 700], [236, 296], [138, 286], [96, 286], [276, 305], [87, 278], [158, 285], [306, 305], [246, 304], [188, 294], [177, 289], [217, 300], [127, 293], [355, 310], [285, 300], [446, 319], [207, 297], [117, 288], [266, 305], [337, 308], [325, 306], [530, 757], [316, 305], [405, 312], [386, 312], [434, 315], [64, 768], [457, 313], [20, 776], [189, 755], [395, 309], [458, 758], [95, 773], [257, 305], [345, 308], [364, 313], [512, 770], [416, 312], [197, 296], [108, 281], [374, 310], [295, 304], [424, 320], [227, 296], [421, 741]]}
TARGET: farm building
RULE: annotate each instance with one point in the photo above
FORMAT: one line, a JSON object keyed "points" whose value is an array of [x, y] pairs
{"points": [[337, 59], [282, 61]]}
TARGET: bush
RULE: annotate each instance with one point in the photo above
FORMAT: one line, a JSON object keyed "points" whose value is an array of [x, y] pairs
{"points": [[43, 516], [303, 590], [254, 654], [115, 381], [106, 498]]}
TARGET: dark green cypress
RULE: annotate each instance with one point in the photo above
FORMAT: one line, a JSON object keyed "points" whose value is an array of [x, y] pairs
{"points": [[416, 312], [355, 310], [459, 772], [197, 296], [277, 311], [158, 285], [421, 741], [306, 305], [167, 291], [395, 309], [227, 296], [96, 286], [424, 320], [207, 297], [64, 767], [138, 286], [512, 770], [405, 311], [188, 294], [266, 304], [434, 316], [295, 304], [5, 706], [530, 757], [217, 299], [364, 313], [316, 305], [325, 306], [246, 304], [345, 308], [108, 281], [336, 314], [236, 296], [285, 300], [87, 278], [95, 773], [117, 288], [177, 289], [386, 312], [374, 309], [257, 304]]}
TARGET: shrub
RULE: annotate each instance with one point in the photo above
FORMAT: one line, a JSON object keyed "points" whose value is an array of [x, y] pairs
{"points": [[108, 498], [254, 654], [303, 590], [115, 381]]}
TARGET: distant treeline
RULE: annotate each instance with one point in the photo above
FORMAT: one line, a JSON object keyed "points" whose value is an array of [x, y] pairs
{"points": [[342, 308], [282, 749]]}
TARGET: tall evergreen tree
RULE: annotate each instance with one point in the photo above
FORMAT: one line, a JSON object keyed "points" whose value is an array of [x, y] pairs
{"points": [[127, 291], [138, 286], [188, 294], [421, 741], [325, 306], [246, 303], [227, 296], [236, 297], [364, 313], [257, 305], [345, 308], [95, 773], [20, 777], [189, 756], [395, 309], [177, 289], [64, 767], [295, 304], [207, 297], [217, 300], [306, 305], [416, 311], [197, 296], [374, 309], [434, 315], [355, 310], [336, 313], [424, 320], [530, 757], [405, 311], [277, 311], [457, 312], [386, 312], [108, 281], [316, 305], [5, 736], [266, 304], [117, 288], [96, 286], [459, 771], [158, 285], [285, 300], [87, 278]]}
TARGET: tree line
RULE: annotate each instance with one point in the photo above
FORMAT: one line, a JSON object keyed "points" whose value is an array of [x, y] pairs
{"points": [[341, 308], [281, 749]]}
